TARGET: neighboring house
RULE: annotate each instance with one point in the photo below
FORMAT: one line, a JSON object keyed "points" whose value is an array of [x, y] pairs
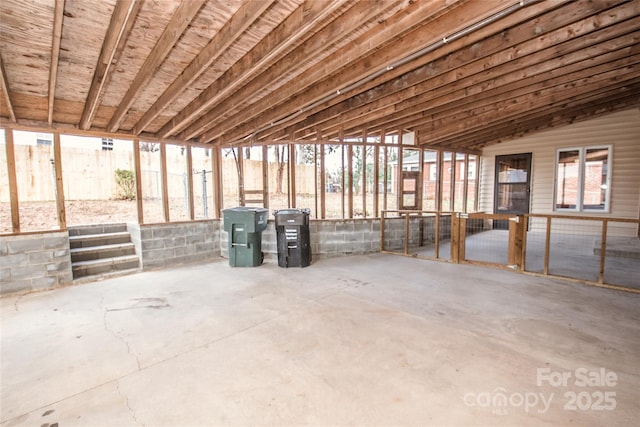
{"points": [[591, 168]]}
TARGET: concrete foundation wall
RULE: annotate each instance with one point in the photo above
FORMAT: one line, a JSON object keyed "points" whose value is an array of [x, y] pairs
{"points": [[32, 262], [421, 231], [174, 243], [329, 238]]}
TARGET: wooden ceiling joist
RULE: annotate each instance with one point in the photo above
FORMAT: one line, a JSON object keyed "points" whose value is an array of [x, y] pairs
{"points": [[447, 70], [182, 17], [376, 51], [122, 20], [58, 14], [286, 35], [249, 12], [7, 93], [461, 73]]}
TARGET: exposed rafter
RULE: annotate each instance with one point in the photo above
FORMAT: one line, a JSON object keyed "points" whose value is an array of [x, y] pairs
{"points": [[238, 24], [183, 15], [58, 14], [122, 19], [6, 91]]}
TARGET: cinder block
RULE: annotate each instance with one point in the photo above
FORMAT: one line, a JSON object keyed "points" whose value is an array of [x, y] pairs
{"points": [[26, 244], [40, 257], [64, 278], [5, 274], [204, 247], [157, 254], [184, 250], [15, 286], [3, 247], [152, 244], [15, 260], [28, 272], [177, 242], [56, 241], [163, 232], [195, 238], [58, 266], [44, 283], [61, 253], [146, 233]]}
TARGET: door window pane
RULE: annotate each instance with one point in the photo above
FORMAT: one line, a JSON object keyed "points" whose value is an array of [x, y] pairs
{"points": [[595, 178]]}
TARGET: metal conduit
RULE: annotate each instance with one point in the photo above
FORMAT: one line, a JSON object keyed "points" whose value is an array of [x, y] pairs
{"points": [[407, 59]]}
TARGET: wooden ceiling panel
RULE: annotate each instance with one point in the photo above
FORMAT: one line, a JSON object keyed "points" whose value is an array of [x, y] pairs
{"points": [[462, 73]]}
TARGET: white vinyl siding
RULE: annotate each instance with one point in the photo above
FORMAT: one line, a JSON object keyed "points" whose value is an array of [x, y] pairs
{"points": [[619, 130]]}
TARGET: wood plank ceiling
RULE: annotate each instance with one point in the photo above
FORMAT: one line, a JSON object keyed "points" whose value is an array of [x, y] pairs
{"points": [[462, 74]]}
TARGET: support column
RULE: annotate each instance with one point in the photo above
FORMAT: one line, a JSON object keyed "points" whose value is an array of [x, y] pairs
{"points": [[57, 161]]}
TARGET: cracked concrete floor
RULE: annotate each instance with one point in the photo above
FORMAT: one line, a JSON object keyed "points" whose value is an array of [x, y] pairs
{"points": [[361, 340]]}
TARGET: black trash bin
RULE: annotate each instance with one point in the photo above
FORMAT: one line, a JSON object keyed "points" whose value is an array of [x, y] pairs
{"points": [[245, 226], [292, 231]]}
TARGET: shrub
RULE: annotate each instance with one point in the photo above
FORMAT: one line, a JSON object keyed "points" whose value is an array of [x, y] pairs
{"points": [[126, 181]]}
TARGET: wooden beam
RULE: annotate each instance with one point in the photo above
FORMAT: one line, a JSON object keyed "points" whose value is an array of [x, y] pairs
{"points": [[244, 17], [138, 175], [57, 162], [350, 179], [375, 50], [481, 114], [216, 153], [313, 83], [165, 186], [292, 174], [7, 93], [192, 213], [180, 20], [265, 176], [58, 15], [364, 174], [13, 186], [122, 20], [278, 42], [439, 81], [322, 178]]}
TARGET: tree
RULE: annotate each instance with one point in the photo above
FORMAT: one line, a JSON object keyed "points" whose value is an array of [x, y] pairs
{"points": [[150, 147]]}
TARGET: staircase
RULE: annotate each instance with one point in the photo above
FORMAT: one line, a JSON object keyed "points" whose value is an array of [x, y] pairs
{"points": [[103, 250]]}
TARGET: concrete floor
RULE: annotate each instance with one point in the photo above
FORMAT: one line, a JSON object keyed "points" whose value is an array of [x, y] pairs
{"points": [[362, 340]]}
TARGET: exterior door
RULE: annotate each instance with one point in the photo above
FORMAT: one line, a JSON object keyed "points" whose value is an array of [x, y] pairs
{"points": [[512, 186]]}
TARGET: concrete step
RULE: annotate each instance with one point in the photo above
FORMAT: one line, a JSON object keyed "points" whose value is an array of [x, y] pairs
{"points": [[103, 266], [90, 240], [79, 230], [101, 252]]}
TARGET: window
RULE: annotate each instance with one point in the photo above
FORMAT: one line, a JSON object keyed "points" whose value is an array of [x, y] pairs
{"points": [[107, 144], [582, 179]]}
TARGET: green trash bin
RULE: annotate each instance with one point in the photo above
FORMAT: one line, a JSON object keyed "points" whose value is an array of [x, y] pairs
{"points": [[245, 226]]}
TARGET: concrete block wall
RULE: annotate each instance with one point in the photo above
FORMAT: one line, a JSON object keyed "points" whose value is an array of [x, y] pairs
{"points": [[394, 231], [35, 261], [160, 245], [329, 238]]}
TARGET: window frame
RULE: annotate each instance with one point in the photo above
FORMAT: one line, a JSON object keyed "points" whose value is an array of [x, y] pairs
{"points": [[582, 166]]}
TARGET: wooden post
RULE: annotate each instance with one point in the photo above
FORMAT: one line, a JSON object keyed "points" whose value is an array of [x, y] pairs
{"points": [[436, 240], [13, 187], [165, 187], [240, 170], [603, 251], [455, 238], [364, 173], [452, 184], [315, 178], [400, 183], [440, 163], [57, 161], [216, 155], [350, 175], [138, 176], [192, 214], [382, 231], [322, 181], [376, 180], [386, 171], [514, 257], [406, 233], [341, 139], [465, 188], [265, 176], [292, 174]]}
